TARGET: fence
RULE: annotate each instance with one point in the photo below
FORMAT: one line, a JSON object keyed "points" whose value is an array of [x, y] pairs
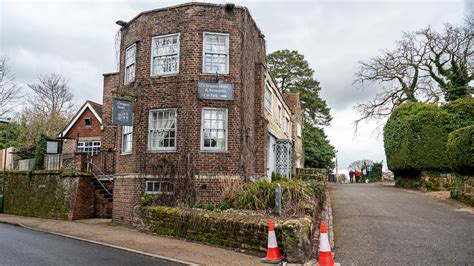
{"points": [[26, 164], [59, 161]]}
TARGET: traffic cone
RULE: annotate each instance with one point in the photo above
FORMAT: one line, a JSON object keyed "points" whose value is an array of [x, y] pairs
{"points": [[273, 254], [325, 255]]}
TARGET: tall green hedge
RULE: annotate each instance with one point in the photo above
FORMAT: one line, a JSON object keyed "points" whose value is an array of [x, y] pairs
{"points": [[415, 135], [460, 150]]}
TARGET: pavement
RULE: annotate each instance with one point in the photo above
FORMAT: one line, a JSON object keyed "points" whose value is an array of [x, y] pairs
{"points": [[21, 246], [102, 231], [378, 224]]}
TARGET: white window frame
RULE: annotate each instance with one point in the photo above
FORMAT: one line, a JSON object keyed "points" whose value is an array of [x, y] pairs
{"points": [[298, 130], [204, 51], [226, 117], [130, 64], [124, 132], [150, 148], [152, 55], [81, 146], [268, 88], [287, 125], [159, 191]]}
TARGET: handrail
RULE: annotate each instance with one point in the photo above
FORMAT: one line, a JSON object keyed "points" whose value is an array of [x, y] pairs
{"points": [[90, 163]]}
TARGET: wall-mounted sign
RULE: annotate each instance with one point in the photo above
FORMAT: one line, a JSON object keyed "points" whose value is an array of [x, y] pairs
{"points": [[52, 147], [216, 91], [122, 111]]}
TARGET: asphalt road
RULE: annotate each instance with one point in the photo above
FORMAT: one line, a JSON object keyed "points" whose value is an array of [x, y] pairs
{"points": [[381, 225], [20, 246]]}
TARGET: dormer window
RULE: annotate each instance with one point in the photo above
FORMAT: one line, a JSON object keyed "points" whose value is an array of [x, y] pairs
{"points": [[130, 58], [88, 121]]}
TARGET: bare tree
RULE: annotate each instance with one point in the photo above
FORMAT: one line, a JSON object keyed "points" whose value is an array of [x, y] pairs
{"points": [[52, 96], [9, 92], [450, 58], [424, 67]]}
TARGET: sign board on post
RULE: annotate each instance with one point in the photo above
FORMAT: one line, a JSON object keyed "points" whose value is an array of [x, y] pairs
{"points": [[122, 112], [215, 91], [51, 147]]}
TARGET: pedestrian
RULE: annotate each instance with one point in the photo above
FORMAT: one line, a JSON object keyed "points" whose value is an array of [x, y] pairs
{"points": [[357, 175], [351, 176]]}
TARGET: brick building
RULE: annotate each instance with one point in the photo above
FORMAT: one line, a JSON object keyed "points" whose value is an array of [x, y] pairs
{"points": [[84, 132], [196, 75]]}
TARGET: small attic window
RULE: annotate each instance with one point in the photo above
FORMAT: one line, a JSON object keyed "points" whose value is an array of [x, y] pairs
{"points": [[88, 121]]}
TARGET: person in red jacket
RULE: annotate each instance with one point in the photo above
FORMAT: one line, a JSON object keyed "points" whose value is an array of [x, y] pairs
{"points": [[357, 175]]}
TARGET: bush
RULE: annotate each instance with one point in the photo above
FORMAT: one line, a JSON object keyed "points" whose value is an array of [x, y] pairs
{"points": [[278, 177], [296, 193], [209, 206], [460, 150], [415, 135], [407, 182], [147, 199], [40, 152]]}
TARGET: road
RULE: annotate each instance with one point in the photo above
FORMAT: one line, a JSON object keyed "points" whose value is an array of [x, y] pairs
{"points": [[382, 225], [20, 246]]}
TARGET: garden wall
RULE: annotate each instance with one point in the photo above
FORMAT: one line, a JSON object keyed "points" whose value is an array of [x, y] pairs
{"points": [[49, 194], [234, 229], [463, 188]]}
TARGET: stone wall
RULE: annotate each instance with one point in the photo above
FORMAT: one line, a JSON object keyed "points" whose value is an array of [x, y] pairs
{"points": [[49, 194], [234, 230], [463, 188], [434, 181]]}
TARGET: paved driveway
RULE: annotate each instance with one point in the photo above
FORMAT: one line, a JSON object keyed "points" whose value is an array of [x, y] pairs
{"points": [[382, 225]]}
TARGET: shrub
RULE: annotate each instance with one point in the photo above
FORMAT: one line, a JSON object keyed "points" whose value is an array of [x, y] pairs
{"points": [[230, 190], [40, 152], [415, 135], [296, 193], [147, 199], [407, 182], [209, 206], [223, 206], [278, 177], [460, 150]]}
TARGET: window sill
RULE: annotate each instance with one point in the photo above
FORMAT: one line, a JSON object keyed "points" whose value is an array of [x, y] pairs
{"points": [[164, 75], [214, 151], [214, 74], [126, 153], [161, 151]]}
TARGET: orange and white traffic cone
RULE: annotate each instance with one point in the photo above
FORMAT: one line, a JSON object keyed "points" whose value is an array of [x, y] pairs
{"points": [[273, 254], [325, 255]]}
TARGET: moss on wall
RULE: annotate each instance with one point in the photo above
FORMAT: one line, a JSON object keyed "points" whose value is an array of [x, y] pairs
{"points": [[47, 194], [235, 230]]}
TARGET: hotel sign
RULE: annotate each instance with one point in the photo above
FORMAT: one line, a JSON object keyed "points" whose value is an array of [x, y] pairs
{"points": [[215, 91], [122, 112]]}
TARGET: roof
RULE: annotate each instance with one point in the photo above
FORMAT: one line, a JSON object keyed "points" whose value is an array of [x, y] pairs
{"points": [[293, 101], [96, 109]]}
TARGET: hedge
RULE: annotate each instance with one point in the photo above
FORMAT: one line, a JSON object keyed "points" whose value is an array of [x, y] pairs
{"points": [[460, 150], [415, 135]]}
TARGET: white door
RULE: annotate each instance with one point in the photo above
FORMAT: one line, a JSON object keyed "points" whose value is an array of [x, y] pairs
{"points": [[271, 140]]}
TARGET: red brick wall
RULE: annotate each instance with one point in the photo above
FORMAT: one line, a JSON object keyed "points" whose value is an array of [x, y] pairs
{"points": [[127, 194], [246, 137], [83, 202], [79, 129]]}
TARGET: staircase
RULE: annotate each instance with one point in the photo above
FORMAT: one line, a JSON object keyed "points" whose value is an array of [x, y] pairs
{"points": [[103, 197]]}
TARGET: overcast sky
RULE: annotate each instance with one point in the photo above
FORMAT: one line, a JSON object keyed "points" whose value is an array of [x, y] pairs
{"points": [[77, 40]]}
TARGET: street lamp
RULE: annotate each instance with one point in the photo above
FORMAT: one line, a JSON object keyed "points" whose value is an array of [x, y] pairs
{"points": [[4, 121]]}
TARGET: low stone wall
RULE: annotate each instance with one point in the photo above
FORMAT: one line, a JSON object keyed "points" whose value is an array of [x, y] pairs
{"points": [[434, 181], [230, 229], [49, 194], [463, 189]]}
